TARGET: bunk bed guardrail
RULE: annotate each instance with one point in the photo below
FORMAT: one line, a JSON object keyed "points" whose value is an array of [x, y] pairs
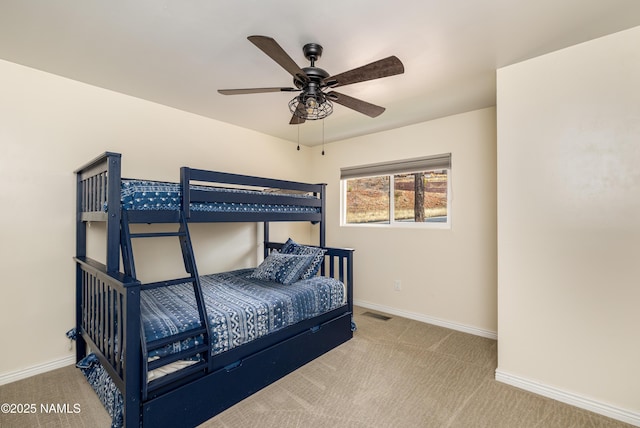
{"points": [[190, 175], [108, 321]]}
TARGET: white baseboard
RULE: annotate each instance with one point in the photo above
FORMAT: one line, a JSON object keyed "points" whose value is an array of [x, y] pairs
{"points": [[569, 398], [427, 319], [34, 370]]}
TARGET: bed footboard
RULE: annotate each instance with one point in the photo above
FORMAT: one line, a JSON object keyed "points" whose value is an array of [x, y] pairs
{"points": [[340, 267], [108, 321]]}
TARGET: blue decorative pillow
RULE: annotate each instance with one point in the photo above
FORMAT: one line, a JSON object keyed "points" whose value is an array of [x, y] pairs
{"points": [[283, 268], [317, 254]]}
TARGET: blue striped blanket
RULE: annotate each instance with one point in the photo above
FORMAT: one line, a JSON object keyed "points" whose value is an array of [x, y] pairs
{"points": [[240, 309], [156, 195]]}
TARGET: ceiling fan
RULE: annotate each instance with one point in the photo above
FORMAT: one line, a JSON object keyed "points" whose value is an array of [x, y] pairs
{"points": [[314, 84]]}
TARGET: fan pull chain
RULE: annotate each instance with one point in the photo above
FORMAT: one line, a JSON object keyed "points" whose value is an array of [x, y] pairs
{"points": [[322, 137], [298, 137]]}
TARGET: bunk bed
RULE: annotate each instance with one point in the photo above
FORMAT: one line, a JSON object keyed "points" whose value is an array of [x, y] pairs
{"points": [[202, 369]]}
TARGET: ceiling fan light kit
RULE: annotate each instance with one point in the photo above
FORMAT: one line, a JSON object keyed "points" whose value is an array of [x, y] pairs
{"points": [[312, 82], [311, 107]]}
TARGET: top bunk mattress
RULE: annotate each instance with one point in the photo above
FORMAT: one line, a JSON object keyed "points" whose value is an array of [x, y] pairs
{"points": [[144, 195]]}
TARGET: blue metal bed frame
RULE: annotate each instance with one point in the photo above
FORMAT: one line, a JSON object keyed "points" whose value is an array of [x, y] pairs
{"points": [[108, 300]]}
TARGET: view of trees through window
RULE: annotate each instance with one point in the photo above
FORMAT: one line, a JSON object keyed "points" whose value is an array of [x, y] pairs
{"points": [[417, 197]]}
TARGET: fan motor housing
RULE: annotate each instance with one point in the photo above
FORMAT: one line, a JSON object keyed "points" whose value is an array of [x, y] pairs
{"points": [[312, 51], [314, 74]]}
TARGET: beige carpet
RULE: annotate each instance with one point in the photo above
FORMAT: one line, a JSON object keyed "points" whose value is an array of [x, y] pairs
{"points": [[395, 373]]}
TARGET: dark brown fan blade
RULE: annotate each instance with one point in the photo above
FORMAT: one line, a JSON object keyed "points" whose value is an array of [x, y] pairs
{"points": [[363, 107], [295, 119], [255, 90], [383, 68], [276, 53]]}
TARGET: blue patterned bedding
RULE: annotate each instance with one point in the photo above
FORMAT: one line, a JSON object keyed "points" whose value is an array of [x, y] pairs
{"points": [[240, 309], [156, 195]]}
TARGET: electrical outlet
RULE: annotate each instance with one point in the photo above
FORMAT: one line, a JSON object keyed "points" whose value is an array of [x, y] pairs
{"points": [[397, 285]]}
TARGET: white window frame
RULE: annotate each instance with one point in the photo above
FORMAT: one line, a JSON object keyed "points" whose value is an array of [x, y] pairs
{"points": [[393, 168]]}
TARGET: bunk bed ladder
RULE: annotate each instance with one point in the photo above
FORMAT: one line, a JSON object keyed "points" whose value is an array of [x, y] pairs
{"points": [[201, 349]]}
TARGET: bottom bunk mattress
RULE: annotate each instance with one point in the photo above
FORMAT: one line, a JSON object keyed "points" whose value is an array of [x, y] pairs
{"points": [[239, 308]]}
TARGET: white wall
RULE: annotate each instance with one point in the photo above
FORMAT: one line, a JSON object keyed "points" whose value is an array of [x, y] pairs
{"points": [[50, 126], [569, 224], [448, 276]]}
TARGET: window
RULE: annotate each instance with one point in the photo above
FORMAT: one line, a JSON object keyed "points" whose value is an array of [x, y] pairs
{"points": [[414, 191]]}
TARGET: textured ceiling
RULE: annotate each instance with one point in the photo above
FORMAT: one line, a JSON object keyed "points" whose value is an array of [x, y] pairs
{"points": [[178, 53]]}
